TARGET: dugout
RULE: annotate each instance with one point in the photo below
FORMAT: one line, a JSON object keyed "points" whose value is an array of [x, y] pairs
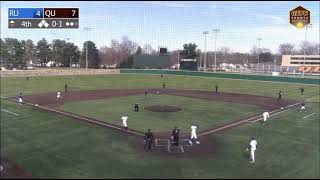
{"points": [[189, 64], [151, 62]]}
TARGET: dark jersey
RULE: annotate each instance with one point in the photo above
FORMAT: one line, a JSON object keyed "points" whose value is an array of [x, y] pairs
{"points": [[175, 133], [148, 135]]}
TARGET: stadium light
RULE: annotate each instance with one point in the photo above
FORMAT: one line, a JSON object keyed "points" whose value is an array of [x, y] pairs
{"points": [[205, 47], [87, 28], [304, 51], [259, 39], [215, 48]]}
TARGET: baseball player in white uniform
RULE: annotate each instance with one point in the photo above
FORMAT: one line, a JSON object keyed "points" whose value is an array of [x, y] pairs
{"points": [[303, 107], [265, 115], [194, 134], [20, 100], [124, 121], [58, 95], [253, 147]]}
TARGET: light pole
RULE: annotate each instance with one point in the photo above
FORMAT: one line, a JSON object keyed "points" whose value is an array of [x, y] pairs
{"points": [[304, 49], [87, 28], [215, 48], [205, 49], [259, 39], [178, 63]]}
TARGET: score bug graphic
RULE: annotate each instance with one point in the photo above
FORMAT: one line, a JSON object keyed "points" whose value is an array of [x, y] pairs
{"points": [[43, 18]]}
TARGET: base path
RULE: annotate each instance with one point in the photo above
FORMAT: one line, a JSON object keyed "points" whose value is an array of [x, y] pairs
{"points": [[267, 103]]}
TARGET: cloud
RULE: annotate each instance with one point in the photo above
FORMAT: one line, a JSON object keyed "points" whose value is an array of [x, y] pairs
{"points": [[171, 4]]}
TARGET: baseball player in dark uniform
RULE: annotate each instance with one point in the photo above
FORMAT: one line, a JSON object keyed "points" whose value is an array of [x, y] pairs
{"points": [[136, 107], [164, 86], [66, 88], [279, 95], [175, 136], [148, 140], [145, 93], [216, 88], [301, 90]]}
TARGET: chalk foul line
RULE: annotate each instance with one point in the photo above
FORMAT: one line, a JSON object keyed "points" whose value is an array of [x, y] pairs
{"points": [[309, 115], [78, 117], [10, 112], [273, 113]]}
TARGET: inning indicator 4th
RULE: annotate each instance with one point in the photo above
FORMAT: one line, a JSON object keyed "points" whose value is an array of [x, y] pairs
{"points": [[43, 18]]}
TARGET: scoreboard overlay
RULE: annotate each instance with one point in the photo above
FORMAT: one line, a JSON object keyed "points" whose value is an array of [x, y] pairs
{"points": [[43, 18]]}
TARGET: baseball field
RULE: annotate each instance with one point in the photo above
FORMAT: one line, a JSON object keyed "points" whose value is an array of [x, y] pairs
{"points": [[81, 135]]}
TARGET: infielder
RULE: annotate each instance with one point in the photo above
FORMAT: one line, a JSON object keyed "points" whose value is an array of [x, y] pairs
{"points": [[164, 86], [194, 135], [124, 121], [20, 99], [301, 91], [265, 115], [58, 95], [253, 146], [279, 95], [303, 107], [66, 88], [216, 88]]}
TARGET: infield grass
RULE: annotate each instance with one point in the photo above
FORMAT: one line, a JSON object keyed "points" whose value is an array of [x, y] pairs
{"points": [[205, 113]]}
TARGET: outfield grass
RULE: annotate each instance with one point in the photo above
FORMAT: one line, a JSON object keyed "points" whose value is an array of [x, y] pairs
{"points": [[206, 114], [12, 86], [52, 146]]}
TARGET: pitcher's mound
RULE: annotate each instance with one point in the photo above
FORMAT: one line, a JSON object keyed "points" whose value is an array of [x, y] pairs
{"points": [[158, 108]]}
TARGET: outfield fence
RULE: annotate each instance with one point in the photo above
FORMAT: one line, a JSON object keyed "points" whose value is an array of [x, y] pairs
{"points": [[57, 72]]}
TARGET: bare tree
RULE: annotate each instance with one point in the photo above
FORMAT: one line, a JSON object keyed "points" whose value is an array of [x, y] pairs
{"points": [[107, 55], [147, 49], [116, 51], [225, 52], [308, 48], [127, 46], [286, 49]]}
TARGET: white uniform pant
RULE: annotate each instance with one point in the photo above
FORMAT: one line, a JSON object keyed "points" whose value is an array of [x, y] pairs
{"points": [[252, 154], [264, 118], [193, 135], [124, 124], [303, 108]]}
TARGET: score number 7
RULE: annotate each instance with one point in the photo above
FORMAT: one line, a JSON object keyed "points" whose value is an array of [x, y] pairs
{"points": [[74, 12]]}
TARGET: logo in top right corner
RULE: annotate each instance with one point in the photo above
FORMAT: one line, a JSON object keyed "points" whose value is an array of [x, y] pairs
{"points": [[300, 17]]}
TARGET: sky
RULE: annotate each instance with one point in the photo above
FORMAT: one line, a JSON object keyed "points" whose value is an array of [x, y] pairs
{"points": [[174, 23]]}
